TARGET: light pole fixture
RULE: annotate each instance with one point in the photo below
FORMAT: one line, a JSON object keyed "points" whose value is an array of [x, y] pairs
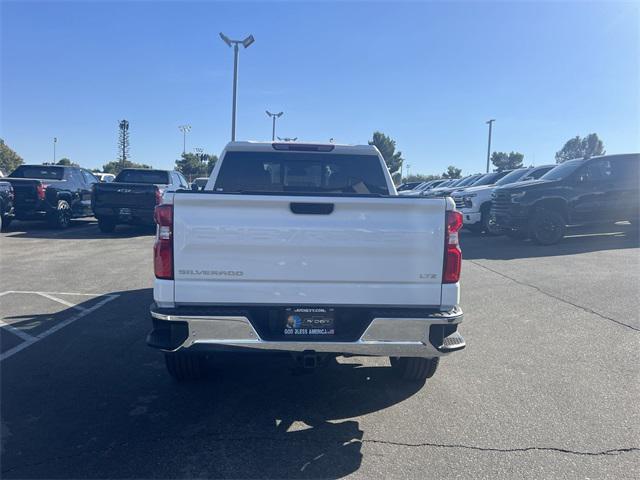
{"points": [[273, 116], [184, 129], [490, 123], [287, 139], [55, 140], [245, 43]]}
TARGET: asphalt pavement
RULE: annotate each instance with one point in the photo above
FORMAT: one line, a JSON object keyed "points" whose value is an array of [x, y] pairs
{"points": [[547, 387]]}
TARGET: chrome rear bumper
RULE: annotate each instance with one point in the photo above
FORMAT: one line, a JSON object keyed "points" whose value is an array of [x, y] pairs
{"points": [[431, 336]]}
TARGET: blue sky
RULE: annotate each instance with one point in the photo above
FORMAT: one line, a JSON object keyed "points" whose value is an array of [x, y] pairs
{"points": [[427, 74]]}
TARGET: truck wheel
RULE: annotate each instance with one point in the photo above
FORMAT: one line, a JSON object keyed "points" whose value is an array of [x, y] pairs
{"points": [[414, 368], [61, 217], [547, 227], [184, 366], [489, 223], [106, 224]]}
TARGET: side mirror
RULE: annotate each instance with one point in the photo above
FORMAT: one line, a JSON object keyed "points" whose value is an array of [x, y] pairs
{"points": [[194, 187]]}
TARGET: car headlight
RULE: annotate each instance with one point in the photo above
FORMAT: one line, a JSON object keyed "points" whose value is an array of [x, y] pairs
{"points": [[516, 197], [467, 200]]}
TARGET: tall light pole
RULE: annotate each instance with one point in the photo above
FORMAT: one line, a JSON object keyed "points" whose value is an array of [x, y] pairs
{"points": [[490, 123], [273, 129], [184, 129], [245, 43], [55, 140], [408, 168]]}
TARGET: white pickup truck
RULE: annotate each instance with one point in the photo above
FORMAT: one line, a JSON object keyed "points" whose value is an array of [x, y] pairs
{"points": [[307, 249]]}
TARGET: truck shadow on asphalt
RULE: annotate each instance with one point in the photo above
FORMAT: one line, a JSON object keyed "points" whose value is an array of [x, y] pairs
{"points": [[577, 240], [107, 408], [79, 229]]}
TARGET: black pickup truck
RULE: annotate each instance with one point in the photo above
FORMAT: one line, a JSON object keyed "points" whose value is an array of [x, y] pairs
{"points": [[6, 204], [52, 192], [132, 197], [601, 189]]}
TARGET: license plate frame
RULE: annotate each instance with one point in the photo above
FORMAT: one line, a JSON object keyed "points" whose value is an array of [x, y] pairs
{"points": [[309, 322]]}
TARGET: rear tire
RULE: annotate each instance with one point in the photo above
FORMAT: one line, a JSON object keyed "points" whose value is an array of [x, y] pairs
{"points": [[107, 224], [547, 227], [61, 217], [184, 366], [414, 369]]}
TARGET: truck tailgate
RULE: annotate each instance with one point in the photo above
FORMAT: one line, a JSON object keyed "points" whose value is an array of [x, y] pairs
{"points": [[25, 191], [131, 195], [252, 249]]}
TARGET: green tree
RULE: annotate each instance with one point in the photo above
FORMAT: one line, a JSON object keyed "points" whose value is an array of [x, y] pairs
{"points": [[387, 147], [452, 172], [419, 177], [193, 165], [576, 147], [506, 161], [211, 162], [9, 160], [116, 165], [67, 163]]}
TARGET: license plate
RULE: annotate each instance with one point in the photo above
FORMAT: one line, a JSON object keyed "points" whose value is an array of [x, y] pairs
{"points": [[309, 321]]}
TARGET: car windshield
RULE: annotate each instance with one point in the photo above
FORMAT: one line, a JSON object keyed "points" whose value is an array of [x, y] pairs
{"points": [[467, 181], [563, 170], [489, 179], [301, 172], [158, 177], [513, 176], [445, 184], [38, 171], [536, 173]]}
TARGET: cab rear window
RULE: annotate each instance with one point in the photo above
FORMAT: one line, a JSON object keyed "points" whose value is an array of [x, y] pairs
{"points": [[143, 176], [301, 172], [38, 171]]}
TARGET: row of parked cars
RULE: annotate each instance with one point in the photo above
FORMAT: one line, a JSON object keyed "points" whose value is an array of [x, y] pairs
{"points": [[58, 194], [540, 202]]}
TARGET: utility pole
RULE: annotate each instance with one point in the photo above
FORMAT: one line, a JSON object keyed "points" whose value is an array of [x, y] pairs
{"points": [[490, 123], [184, 129], [124, 141], [245, 43], [55, 140], [273, 129]]}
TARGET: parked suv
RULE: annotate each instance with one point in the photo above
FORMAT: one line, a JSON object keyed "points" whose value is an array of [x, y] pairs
{"points": [[475, 201], [598, 190]]}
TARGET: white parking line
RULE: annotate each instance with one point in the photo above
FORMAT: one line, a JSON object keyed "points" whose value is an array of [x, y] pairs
{"points": [[30, 340], [16, 331], [63, 302]]}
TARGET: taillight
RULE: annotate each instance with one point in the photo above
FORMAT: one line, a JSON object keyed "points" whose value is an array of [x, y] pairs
{"points": [[452, 253], [40, 190], [158, 196], [163, 246]]}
